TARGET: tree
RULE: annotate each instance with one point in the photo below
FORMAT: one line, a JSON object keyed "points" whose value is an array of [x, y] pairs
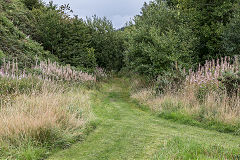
{"points": [[30, 4], [231, 34], [107, 42], [66, 37], [158, 39], [207, 19], [75, 47]]}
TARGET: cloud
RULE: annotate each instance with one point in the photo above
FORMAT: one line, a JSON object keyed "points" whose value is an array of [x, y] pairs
{"points": [[119, 11]]}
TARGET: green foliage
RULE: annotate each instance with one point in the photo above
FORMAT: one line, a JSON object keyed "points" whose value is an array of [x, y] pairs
{"points": [[50, 27], [14, 86], [184, 31], [14, 42], [90, 59], [73, 46], [73, 41], [158, 40], [231, 82], [70, 40], [170, 81], [19, 15], [2, 56], [107, 43], [30, 4], [207, 19], [231, 38], [15, 45]]}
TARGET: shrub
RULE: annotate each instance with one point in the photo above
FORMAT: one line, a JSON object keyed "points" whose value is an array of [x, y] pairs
{"points": [[158, 40], [170, 81], [231, 82], [107, 43], [207, 19], [231, 38], [15, 44], [30, 4]]}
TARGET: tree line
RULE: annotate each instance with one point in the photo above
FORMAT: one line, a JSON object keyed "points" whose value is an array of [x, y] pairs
{"points": [[165, 33]]}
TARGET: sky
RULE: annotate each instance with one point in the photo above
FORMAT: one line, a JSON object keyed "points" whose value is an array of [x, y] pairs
{"points": [[118, 11]]}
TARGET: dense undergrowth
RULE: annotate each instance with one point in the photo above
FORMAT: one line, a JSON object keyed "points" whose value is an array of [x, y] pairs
{"points": [[50, 61], [34, 125], [15, 42], [45, 104], [43, 109], [208, 98], [39, 117]]}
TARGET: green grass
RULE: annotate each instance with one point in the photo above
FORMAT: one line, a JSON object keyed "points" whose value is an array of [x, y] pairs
{"points": [[195, 120], [127, 131]]}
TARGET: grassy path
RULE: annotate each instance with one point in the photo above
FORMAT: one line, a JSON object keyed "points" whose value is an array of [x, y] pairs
{"points": [[127, 132]]}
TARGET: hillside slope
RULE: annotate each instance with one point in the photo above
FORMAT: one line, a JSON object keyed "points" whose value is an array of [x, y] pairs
{"points": [[15, 25]]}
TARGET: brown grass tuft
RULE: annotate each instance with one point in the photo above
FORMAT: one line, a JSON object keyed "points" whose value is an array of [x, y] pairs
{"points": [[38, 116]]}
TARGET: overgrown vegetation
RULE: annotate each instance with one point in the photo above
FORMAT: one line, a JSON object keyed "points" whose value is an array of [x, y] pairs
{"points": [[132, 131], [158, 40], [180, 46], [42, 109], [34, 124], [182, 56], [208, 97]]}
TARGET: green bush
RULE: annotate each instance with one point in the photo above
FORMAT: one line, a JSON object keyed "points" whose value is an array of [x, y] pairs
{"points": [[231, 34], [158, 40], [231, 82], [65, 37], [170, 81], [107, 43], [207, 19], [15, 44], [30, 4]]}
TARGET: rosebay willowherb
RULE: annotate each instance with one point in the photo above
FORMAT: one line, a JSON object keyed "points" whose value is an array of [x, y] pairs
{"points": [[46, 70]]}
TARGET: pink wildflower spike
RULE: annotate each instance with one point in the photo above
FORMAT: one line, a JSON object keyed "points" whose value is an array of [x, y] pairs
{"points": [[2, 73], [49, 72]]}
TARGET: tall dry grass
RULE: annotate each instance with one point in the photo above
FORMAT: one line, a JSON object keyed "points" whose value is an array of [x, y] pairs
{"points": [[202, 96], [36, 114], [38, 108], [53, 116], [29, 115]]}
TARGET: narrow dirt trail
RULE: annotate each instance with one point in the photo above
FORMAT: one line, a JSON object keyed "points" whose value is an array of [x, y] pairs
{"points": [[125, 131]]}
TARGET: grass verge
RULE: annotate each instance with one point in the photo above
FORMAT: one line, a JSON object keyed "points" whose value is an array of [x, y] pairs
{"points": [[184, 110]]}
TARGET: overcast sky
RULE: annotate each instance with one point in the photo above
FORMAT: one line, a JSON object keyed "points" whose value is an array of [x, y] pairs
{"points": [[118, 11]]}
